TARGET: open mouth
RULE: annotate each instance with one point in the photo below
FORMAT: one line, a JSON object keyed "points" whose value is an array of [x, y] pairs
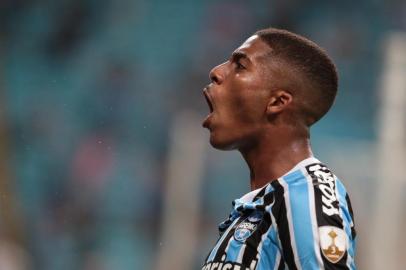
{"points": [[206, 95], [207, 121]]}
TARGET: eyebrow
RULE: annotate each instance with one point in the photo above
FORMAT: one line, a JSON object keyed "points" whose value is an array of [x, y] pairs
{"points": [[235, 56]]}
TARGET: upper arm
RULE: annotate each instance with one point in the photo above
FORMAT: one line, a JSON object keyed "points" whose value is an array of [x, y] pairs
{"points": [[314, 221]]}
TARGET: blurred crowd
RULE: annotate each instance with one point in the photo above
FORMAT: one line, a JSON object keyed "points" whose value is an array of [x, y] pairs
{"points": [[88, 92]]}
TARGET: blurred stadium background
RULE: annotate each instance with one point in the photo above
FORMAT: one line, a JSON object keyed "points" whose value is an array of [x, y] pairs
{"points": [[103, 163]]}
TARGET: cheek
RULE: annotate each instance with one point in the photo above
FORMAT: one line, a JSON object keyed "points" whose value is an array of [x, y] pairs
{"points": [[243, 98], [248, 106], [234, 107]]}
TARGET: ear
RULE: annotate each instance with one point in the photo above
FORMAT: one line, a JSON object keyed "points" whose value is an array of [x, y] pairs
{"points": [[278, 101]]}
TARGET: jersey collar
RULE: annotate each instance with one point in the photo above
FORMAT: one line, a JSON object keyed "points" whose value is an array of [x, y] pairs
{"points": [[255, 199]]}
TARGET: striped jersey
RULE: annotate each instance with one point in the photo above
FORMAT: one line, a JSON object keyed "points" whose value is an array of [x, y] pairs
{"points": [[302, 220]]}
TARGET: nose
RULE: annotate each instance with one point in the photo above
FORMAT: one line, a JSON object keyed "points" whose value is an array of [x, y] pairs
{"points": [[216, 75]]}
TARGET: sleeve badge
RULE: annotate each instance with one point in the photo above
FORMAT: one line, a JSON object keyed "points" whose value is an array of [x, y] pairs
{"points": [[333, 243]]}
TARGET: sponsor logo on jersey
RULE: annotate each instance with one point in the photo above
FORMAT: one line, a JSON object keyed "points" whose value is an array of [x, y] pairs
{"points": [[332, 243], [224, 266], [326, 184], [247, 227]]}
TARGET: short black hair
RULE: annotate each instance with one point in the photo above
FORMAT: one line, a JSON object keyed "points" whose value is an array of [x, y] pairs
{"points": [[314, 65]]}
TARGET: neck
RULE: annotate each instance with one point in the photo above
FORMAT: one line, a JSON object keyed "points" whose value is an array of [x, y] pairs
{"points": [[274, 154]]}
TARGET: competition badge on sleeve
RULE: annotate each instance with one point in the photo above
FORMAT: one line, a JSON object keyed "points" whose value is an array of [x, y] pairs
{"points": [[332, 242]]}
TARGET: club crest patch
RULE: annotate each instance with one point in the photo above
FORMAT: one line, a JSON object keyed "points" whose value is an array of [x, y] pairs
{"points": [[248, 226], [332, 242]]}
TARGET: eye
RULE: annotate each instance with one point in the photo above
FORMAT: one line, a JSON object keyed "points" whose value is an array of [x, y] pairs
{"points": [[239, 66]]}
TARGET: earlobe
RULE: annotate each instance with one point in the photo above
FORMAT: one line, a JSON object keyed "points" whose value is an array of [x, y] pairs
{"points": [[278, 102]]}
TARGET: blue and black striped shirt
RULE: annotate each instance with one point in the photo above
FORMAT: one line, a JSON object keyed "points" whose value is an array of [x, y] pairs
{"points": [[302, 220]]}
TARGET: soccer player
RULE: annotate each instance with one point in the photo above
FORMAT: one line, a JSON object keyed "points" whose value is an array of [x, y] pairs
{"points": [[263, 101]]}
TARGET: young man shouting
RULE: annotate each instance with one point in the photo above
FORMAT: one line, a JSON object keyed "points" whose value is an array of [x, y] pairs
{"points": [[263, 101]]}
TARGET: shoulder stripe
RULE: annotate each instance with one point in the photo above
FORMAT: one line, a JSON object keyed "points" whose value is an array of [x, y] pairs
{"points": [[290, 217], [303, 220], [280, 212], [313, 218], [346, 260], [347, 222], [353, 232]]}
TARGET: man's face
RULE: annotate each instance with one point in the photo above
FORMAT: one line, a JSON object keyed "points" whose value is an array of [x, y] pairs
{"points": [[238, 96]]}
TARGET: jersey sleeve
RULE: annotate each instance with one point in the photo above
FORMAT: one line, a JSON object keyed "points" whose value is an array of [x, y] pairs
{"points": [[314, 220]]}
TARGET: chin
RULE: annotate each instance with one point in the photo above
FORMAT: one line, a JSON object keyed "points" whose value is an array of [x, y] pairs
{"points": [[222, 143]]}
